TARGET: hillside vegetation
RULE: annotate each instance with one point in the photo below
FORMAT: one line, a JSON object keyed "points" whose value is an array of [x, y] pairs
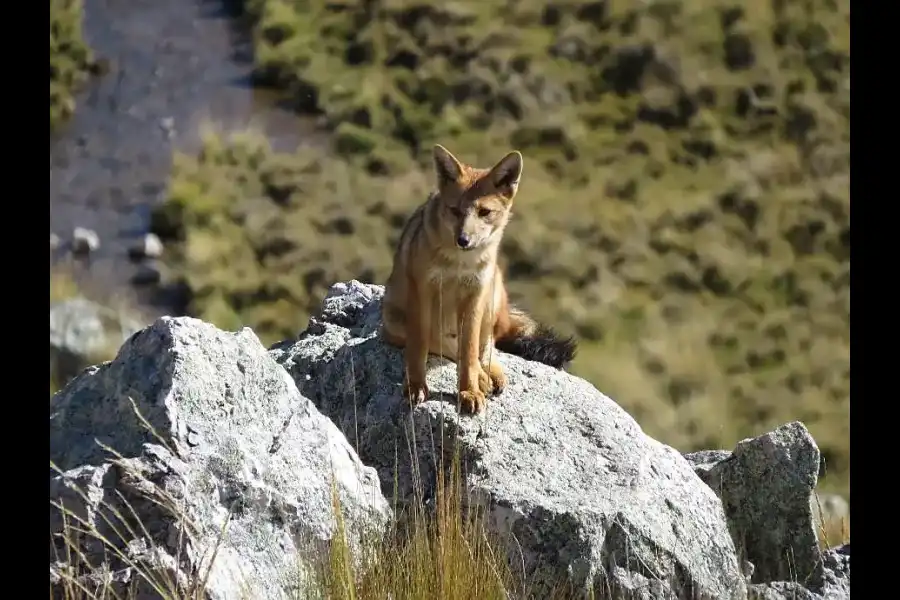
{"points": [[71, 60], [684, 208]]}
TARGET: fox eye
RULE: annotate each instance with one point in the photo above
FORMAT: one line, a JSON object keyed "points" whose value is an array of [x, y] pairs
{"points": [[483, 212], [455, 211]]}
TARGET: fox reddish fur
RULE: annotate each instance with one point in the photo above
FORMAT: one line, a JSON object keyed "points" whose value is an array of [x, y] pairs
{"points": [[445, 294]]}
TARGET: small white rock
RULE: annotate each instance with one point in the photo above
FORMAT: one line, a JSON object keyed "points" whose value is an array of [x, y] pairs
{"points": [[54, 241], [84, 241], [167, 124], [148, 246]]}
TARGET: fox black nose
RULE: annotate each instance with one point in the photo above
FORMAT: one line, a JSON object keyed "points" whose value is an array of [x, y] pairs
{"points": [[462, 241]]}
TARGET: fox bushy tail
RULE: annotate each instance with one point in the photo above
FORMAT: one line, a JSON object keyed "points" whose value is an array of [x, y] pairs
{"points": [[534, 341]]}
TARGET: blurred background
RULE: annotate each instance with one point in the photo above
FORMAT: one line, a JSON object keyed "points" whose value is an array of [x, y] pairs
{"points": [[684, 208]]}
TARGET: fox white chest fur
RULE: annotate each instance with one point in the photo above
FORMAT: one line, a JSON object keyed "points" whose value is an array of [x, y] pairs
{"points": [[463, 273], [474, 268]]}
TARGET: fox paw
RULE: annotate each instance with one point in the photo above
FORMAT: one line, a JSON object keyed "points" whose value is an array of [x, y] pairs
{"points": [[415, 392], [472, 401], [497, 377]]}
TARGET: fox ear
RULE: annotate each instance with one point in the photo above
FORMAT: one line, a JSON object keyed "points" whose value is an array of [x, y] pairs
{"points": [[505, 175], [446, 166]]}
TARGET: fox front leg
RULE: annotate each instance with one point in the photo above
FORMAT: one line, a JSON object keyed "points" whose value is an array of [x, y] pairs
{"points": [[418, 334], [470, 384]]}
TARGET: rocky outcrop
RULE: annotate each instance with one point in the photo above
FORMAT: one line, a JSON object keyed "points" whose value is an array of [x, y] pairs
{"points": [[228, 473], [568, 478], [767, 489], [197, 459]]}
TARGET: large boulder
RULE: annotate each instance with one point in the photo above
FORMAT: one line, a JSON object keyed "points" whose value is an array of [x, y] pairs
{"points": [[227, 460], [767, 487], [570, 481]]}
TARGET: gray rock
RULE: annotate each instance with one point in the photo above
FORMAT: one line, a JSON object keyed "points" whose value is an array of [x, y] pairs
{"points": [[90, 498], [832, 573], [836, 563], [780, 590], [167, 124], [81, 331], [233, 442], [836, 581], [765, 486], [85, 241], [568, 478], [149, 246], [704, 460]]}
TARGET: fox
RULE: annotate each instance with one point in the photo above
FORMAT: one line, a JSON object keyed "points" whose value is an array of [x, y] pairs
{"points": [[445, 294]]}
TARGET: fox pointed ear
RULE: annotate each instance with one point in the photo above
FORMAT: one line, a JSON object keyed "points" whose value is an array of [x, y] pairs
{"points": [[447, 168], [505, 175]]}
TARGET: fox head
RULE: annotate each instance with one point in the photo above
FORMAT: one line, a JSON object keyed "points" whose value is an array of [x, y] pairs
{"points": [[475, 203]]}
